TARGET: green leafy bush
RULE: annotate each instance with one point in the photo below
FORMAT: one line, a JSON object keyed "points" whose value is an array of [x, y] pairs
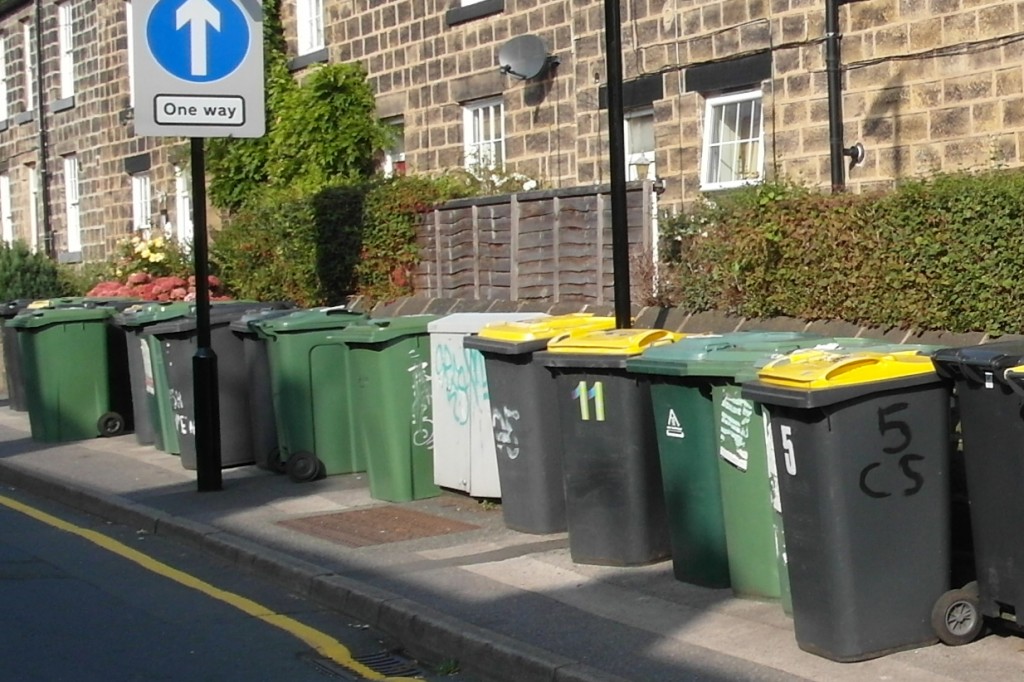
{"points": [[943, 253], [24, 274], [291, 245]]}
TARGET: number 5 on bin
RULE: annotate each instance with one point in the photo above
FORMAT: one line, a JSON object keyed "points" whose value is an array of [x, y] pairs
{"points": [[786, 433]]}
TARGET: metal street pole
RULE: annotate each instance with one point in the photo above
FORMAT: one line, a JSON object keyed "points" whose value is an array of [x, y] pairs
{"points": [[617, 154], [204, 362]]}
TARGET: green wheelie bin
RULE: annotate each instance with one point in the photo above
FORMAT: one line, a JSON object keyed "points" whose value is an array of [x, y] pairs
{"points": [[615, 507], [862, 442], [714, 460], [392, 408], [310, 381], [75, 366]]}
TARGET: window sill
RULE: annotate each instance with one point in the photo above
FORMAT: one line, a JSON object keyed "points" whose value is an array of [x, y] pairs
{"points": [[24, 117], [63, 104], [4, 125], [717, 186], [67, 258], [459, 15], [304, 60]]}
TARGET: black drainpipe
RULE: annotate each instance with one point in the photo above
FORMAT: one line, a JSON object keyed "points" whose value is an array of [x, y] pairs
{"points": [[44, 156], [833, 62]]}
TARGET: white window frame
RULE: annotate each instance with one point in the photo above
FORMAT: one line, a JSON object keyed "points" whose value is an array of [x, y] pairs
{"points": [[128, 19], [483, 129], [5, 110], [28, 67], [394, 158], [33, 205], [309, 19], [66, 47], [645, 155], [72, 205], [712, 110], [183, 226], [6, 209], [142, 203]]}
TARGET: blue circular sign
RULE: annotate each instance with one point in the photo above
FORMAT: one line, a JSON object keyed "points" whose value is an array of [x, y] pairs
{"points": [[200, 41]]}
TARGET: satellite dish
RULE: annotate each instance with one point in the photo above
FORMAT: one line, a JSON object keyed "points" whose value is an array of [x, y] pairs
{"points": [[524, 57]]}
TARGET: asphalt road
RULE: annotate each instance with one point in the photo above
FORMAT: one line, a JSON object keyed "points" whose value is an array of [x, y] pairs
{"points": [[84, 600]]}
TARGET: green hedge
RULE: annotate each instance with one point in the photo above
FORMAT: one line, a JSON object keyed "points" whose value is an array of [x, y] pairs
{"points": [[24, 274], [945, 253]]}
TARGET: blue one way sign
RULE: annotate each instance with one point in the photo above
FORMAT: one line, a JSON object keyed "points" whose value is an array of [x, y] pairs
{"points": [[199, 68]]}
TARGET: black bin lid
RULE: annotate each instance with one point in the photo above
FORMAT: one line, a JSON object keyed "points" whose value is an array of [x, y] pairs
{"points": [[973, 362]]}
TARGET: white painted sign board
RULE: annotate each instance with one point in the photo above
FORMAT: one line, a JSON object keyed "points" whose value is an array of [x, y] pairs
{"points": [[198, 68]]}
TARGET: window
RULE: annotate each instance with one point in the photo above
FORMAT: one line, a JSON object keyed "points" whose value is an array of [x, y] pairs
{"points": [[4, 109], [484, 132], [128, 19], [29, 66], [71, 203], [66, 46], [733, 141], [310, 18], [33, 205], [6, 212], [182, 206], [640, 145], [141, 218], [394, 158]]}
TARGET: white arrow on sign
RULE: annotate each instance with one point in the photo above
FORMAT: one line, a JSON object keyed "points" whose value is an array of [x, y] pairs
{"points": [[198, 14]]}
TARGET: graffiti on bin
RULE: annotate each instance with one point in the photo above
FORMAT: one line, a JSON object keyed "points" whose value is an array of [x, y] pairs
{"points": [[504, 419], [734, 430], [900, 436], [463, 378], [422, 423], [183, 424]]}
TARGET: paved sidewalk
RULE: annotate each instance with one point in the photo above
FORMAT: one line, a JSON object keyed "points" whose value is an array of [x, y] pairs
{"points": [[507, 606]]}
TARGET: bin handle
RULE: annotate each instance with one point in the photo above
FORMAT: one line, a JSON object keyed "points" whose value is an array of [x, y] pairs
{"points": [[848, 364], [1014, 377], [971, 373], [657, 337], [334, 310]]}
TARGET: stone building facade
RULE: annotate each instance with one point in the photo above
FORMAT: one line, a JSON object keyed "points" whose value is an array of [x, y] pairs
{"points": [[929, 85], [74, 176], [717, 93]]}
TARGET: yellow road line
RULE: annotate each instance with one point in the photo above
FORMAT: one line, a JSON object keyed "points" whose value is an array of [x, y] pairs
{"points": [[322, 643]]}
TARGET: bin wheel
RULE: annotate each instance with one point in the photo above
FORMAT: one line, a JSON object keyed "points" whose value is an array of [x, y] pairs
{"points": [[110, 424], [956, 616], [304, 466]]}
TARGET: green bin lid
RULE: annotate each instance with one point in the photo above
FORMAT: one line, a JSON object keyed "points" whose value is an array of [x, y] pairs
{"points": [[221, 314], [44, 317], [244, 324], [726, 356], [119, 302], [301, 321], [145, 314], [382, 329]]}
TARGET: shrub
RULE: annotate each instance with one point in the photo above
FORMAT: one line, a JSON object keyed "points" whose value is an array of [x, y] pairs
{"points": [[942, 253], [24, 274], [294, 246]]}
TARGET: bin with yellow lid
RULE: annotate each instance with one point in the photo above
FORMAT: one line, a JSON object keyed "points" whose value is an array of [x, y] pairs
{"points": [[615, 508], [862, 442], [524, 416]]}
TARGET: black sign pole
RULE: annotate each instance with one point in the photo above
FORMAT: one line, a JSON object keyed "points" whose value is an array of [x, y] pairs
{"points": [[617, 149], [204, 362]]}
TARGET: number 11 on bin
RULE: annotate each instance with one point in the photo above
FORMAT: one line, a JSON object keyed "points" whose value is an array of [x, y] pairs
{"points": [[786, 432], [596, 392]]}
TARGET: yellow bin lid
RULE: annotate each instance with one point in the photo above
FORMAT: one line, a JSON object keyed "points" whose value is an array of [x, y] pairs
{"points": [[612, 341], [540, 328], [813, 369]]}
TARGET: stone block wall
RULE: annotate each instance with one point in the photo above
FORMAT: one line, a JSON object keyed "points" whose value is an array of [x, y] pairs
{"points": [[930, 85]]}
